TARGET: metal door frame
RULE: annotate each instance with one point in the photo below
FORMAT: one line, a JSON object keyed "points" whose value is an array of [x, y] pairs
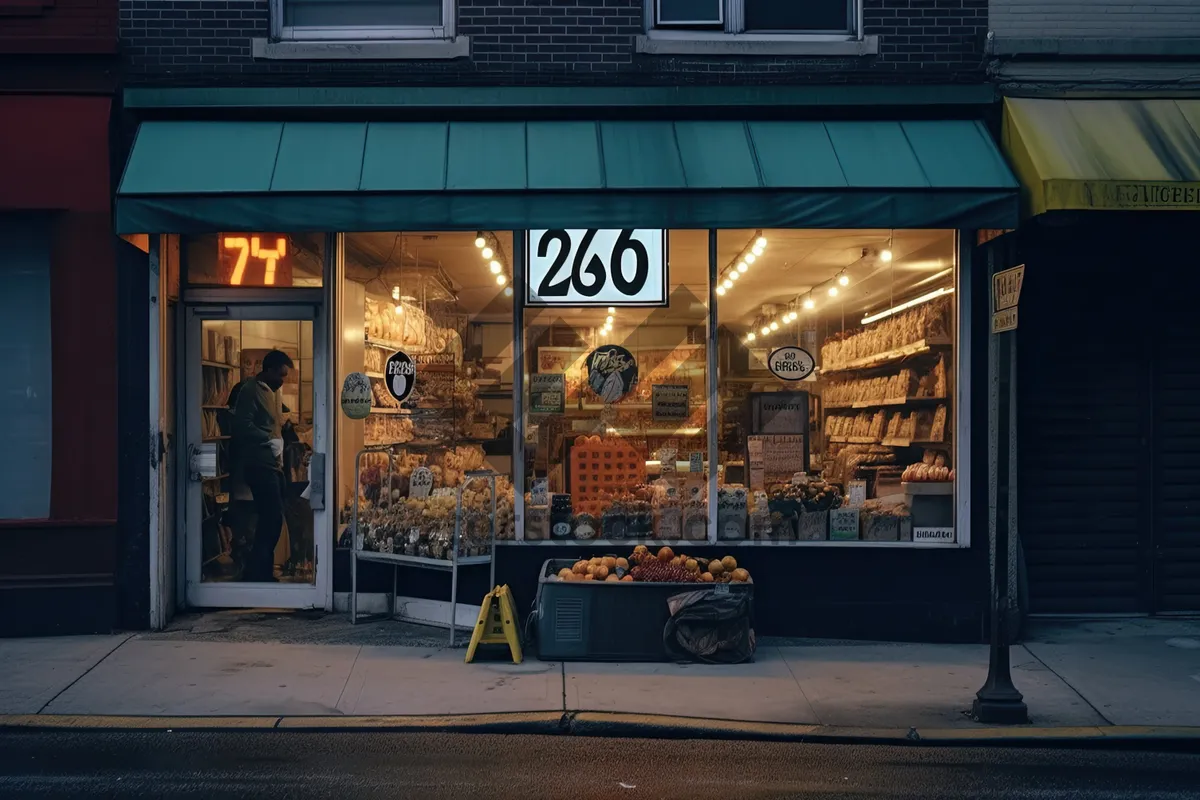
{"points": [[194, 592]]}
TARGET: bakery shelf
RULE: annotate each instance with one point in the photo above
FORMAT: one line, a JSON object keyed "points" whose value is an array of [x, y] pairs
{"points": [[895, 401], [382, 410], [217, 365], [928, 487], [384, 343], [880, 359], [891, 441]]}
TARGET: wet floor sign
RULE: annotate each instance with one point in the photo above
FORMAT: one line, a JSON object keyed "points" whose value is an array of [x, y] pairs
{"points": [[497, 624]]}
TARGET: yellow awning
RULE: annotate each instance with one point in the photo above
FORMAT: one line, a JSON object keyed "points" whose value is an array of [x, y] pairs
{"points": [[1106, 155]]}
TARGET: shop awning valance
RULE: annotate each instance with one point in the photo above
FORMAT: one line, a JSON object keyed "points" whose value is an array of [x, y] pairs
{"points": [[1104, 154], [201, 176]]}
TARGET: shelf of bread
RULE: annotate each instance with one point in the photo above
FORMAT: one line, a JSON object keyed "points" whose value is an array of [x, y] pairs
{"points": [[894, 401], [917, 348]]}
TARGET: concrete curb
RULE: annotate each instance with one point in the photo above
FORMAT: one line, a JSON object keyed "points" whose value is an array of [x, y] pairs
{"points": [[644, 726]]}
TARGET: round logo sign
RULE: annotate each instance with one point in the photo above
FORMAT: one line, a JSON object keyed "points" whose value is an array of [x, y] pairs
{"points": [[356, 396], [400, 374], [612, 372], [791, 363]]}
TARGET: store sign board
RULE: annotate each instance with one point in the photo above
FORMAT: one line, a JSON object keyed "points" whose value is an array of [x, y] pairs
{"points": [[1004, 321], [843, 524], [669, 402], [612, 372], [253, 259], [400, 374], [791, 363], [420, 483], [356, 396], [547, 393], [596, 267], [1006, 288], [941, 535]]}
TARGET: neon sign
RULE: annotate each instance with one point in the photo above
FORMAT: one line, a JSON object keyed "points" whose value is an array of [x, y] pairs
{"points": [[250, 259]]}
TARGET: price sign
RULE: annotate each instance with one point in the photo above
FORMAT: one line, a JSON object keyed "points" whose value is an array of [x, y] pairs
{"points": [[696, 462], [857, 491], [420, 483], [843, 524], [593, 267], [254, 259]]}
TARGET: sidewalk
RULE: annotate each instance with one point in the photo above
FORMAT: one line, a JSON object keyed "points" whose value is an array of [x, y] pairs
{"points": [[1073, 675]]}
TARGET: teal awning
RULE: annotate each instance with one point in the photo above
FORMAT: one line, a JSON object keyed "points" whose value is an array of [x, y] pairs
{"points": [[198, 176]]}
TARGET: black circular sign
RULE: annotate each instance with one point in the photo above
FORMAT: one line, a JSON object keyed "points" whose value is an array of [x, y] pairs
{"points": [[791, 363], [400, 374], [612, 372]]}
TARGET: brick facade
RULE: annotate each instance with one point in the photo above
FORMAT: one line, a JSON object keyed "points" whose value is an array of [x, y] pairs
{"points": [[199, 42], [52, 27]]}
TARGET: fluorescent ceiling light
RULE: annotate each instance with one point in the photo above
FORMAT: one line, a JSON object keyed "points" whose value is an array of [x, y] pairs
{"points": [[916, 301]]}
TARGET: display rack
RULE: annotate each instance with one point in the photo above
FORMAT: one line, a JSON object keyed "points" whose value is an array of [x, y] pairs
{"points": [[451, 564]]}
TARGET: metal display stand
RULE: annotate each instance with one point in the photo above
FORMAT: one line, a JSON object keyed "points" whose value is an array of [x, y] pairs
{"points": [[396, 560]]}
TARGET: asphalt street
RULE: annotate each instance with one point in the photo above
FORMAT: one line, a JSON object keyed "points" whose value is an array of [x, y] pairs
{"points": [[277, 764]]}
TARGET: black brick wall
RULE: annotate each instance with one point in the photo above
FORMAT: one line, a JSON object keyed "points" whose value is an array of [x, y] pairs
{"points": [[201, 42]]}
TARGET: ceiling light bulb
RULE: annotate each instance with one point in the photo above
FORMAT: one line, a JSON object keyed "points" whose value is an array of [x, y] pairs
{"points": [[750, 336], [720, 290], [734, 274], [508, 292], [399, 309], [766, 329], [495, 267], [608, 320], [756, 250], [487, 252], [480, 242], [791, 315], [500, 279], [809, 304], [833, 291], [761, 242], [742, 266], [728, 284], [774, 325], [844, 280], [612, 310], [750, 258], [885, 255]]}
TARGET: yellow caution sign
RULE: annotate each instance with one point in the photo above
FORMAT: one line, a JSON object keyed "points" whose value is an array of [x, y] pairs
{"points": [[497, 624]]}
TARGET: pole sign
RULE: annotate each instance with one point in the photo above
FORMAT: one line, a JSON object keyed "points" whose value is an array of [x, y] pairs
{"points": [[1006, 292], [594, 267]]}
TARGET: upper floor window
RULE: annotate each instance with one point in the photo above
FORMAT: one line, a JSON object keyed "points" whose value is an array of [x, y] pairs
{"points": [[363, 19], [822, 17]]}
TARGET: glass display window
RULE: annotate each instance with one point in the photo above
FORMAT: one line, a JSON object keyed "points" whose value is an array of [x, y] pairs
{"points": [[616, 408], [836, 390], [441, 304]]}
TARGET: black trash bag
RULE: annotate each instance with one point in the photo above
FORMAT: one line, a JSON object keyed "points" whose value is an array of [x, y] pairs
{"points": [[710, 627]]}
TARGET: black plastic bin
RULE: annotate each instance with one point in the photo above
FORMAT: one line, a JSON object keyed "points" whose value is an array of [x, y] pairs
{"points": [[606, 621]]}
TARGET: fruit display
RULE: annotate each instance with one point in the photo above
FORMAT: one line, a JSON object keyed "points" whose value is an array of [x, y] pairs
{"points": [[928, 321], [655, 566]]}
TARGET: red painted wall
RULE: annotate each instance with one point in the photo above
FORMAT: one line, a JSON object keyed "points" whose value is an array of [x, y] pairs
{"points": [[58, 26]]}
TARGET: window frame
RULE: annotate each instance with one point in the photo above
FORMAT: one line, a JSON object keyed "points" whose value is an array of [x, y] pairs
{"points": [[292, 33], [733, 13]]}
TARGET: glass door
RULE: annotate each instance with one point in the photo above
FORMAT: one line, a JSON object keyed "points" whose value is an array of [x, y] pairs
{"points": [[256, 410]]}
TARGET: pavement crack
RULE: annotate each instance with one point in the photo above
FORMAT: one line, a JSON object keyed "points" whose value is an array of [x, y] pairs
{"points": [[100, 661], [1066, 683], [349, 674], [796, 681]]}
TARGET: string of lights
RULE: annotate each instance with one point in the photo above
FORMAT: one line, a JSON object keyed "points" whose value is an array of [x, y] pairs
{"points": [[489, 248]]}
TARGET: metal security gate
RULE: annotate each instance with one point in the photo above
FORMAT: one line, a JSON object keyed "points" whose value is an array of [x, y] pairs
{"points": [[1109, 422]]}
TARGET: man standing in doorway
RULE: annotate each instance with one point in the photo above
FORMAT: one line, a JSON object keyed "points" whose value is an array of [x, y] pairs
{"points": [[258, 458]]}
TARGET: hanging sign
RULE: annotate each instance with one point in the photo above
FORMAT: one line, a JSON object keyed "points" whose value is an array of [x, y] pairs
{"points": [[356, 396], [612, 372], [668, 402], [420, 483], [400, 374], [594, 267], [791, 363], [1006, 293], [547, 393]]}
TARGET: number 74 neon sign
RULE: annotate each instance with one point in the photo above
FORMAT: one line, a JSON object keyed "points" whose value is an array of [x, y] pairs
{"points": [[245, 248]]}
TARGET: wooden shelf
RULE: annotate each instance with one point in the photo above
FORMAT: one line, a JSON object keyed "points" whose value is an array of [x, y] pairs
{"points": [[880, 359], [893, 441], [217, 365], [895, 401], [214, 407]]}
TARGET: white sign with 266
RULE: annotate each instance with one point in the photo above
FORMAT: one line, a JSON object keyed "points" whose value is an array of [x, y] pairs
{"points": [[596, 267]]}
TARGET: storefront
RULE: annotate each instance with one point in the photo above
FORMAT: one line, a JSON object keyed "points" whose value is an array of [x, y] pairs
{"points": [[764, 346], [1108, 362]]}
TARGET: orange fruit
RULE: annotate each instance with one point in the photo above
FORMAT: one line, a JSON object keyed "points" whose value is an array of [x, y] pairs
{"points": [[666, 554], [565, 574], [623, 563], [706, 577], [589, 577], [716, 567], [730, 563], [601, 572], [591, 569], [740, 575], [595, 562], [609, 562], [611, 579], [627, 579], [692, 565]]}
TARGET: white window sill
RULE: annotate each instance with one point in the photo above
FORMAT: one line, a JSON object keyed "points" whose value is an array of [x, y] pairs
{"points": [[700, 43], [392, 50]]}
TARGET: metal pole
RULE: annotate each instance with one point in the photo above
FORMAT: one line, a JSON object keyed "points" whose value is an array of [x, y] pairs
{"points": [[518, 380], [999, 701], [710, 349]]}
